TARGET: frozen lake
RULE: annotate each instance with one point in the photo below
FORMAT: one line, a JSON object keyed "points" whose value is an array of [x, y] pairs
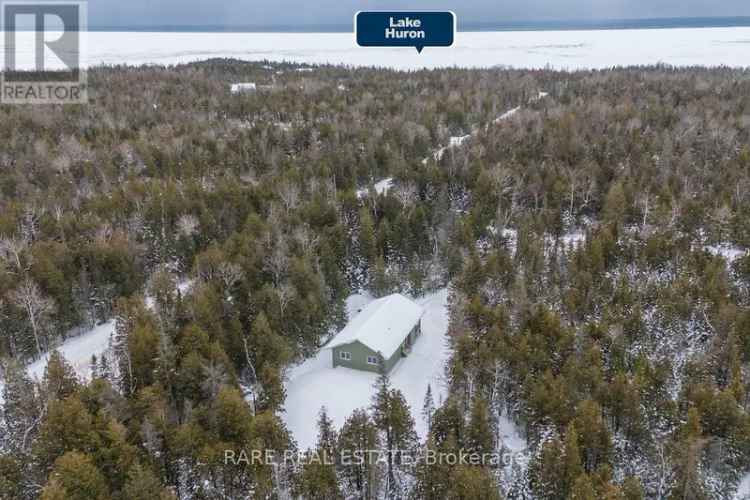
{"points": [[522, 49]]}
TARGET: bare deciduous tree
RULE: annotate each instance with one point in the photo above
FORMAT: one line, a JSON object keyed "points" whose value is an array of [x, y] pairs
{"points": [[285, 293], [11, 250], [229, 273], [277, 262], [289, 194], [307, 239], [187, 225], [37, 308]]}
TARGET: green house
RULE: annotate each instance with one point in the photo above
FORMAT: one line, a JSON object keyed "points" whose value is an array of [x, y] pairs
{"points": [[381, 334]]}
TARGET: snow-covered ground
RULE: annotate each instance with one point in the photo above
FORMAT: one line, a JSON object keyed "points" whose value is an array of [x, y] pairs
{"points": [[523, 49], [729, 252], [381, 187], [460, 140], [507, 114], [573, 238], [314, 383], [509, 435], [743, 489], [453, 142], [78, 350]]}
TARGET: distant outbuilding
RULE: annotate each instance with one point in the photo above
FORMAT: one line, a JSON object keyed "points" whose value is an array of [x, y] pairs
{"points": [[382, 333], [242, 88]]}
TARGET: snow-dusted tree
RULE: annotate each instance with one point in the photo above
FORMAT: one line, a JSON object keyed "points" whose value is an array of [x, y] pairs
{"points": [[60, 379], [163, 288], [230, 274], [8, 336], [645, 201], [290, 194], [392, 418], [408, 194], [125, 321], [358, 438], [306, 239], [428, 408], [318, 476], [215, 378], [187, 225], [85, 299], [21, 410], [37, 308], [29, 224], [277, 262], [12, 251], [285, 293]]}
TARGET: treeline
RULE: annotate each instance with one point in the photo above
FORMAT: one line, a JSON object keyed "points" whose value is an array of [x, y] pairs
{"points": [[578, 236]]}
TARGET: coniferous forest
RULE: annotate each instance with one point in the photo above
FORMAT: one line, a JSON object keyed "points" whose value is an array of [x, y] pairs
{"points": [[592, 229]]}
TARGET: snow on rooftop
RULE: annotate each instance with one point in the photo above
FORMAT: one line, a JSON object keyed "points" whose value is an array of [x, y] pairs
{"points": [[382, 325], [356, 302], [238, 88]]}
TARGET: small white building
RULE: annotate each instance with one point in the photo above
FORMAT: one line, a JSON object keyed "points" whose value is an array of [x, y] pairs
{"points": [[242, 88]]}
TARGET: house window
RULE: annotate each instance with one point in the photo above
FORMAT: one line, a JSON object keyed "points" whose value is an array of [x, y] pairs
{"points": [[372, 360], [346, 356]]}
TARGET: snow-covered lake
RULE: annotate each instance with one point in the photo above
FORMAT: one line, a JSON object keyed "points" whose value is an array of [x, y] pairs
{"points": [[527, 49]]}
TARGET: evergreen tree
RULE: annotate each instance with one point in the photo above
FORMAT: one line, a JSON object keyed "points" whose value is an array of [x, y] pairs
{"points": [[75, 477], [432, 477], [21, 411], [358, 440], [318, 479], [480, 438], [428, 407], [687, 451], [60, 380], [11, 478], [367, 242], [393, 419], [472, 483], [583, 489], [142, 484]]}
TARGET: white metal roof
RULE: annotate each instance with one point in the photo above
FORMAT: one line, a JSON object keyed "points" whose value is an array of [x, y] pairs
{"points": [[382, 325], [242, 87]]}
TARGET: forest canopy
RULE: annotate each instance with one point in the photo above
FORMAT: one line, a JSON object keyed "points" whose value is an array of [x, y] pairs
{"points": [[592, 228]]}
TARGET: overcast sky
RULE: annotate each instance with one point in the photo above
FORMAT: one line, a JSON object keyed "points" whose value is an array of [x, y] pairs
{"points": [[328, 12]]}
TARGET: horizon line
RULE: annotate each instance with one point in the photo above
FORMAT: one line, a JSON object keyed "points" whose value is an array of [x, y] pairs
{"points": [[507, 25]]}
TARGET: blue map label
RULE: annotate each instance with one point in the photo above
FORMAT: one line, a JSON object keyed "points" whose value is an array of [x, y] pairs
{"points": [[405, 29]]}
